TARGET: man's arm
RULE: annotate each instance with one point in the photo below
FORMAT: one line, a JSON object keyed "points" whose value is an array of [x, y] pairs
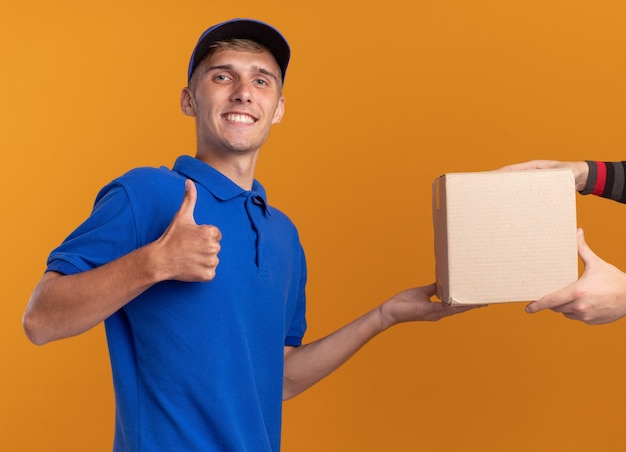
{"points": [[308, 364], [67, 305]]}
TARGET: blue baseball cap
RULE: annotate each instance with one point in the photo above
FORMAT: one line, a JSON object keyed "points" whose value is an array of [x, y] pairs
{"points": [[242, 29]]}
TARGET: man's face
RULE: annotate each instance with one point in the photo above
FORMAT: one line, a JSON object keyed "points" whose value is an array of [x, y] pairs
{"points": [[236, 99]]}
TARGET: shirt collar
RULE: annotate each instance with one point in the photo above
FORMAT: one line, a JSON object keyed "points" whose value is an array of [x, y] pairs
{"points": [[218, 184]]}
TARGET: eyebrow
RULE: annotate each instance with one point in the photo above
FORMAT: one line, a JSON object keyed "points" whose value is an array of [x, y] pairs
{"points": [[230, 67]]}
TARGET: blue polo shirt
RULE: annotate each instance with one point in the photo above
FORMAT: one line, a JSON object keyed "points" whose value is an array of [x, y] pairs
{"points": [[197, 366]]}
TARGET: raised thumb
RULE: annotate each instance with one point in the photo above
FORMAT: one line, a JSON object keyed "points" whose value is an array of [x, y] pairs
{"points": [[185, 212]]}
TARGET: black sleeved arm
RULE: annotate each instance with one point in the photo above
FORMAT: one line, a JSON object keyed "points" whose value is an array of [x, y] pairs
{"points": [[606, 179]]}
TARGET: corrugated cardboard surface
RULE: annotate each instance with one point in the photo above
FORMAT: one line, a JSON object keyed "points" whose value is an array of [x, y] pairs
{"points": [[504, 236]]}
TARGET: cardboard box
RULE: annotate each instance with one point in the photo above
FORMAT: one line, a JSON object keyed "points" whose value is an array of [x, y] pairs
{"points": [[504, 236]]}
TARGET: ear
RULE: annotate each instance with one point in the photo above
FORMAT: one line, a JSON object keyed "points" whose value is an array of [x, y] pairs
{"points": [[280, 111], [186, 103]]}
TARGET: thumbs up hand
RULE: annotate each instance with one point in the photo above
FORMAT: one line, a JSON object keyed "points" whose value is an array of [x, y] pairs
{"points": [[188, 251]]}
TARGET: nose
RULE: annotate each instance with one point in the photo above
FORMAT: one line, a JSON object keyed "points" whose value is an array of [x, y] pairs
{"points": [[242, 91]]}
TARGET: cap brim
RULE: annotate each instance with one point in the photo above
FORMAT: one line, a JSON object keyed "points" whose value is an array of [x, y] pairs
{"points": [[254, 30]]}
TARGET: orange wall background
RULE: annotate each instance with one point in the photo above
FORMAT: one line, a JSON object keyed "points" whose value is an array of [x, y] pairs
{"points": [[382, 97]]}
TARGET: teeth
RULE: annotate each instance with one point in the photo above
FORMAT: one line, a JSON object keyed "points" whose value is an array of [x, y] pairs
{"points": [[244, 119]]}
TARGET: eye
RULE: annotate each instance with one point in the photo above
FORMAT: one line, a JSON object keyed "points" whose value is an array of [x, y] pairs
{"points": [[260, 82], [221, 78]]}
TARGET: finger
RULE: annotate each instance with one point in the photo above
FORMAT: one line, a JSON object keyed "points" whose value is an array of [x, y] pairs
{"points": [[570, 316], [185, 212], [585, 253], [430, 290], [216, 234], [514, 167], [213, 234], [552, 301], [532, 164], [440, 310]]}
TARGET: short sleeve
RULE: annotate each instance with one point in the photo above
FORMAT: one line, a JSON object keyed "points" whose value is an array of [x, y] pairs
{"points": [[297, 325], [107, 234]]}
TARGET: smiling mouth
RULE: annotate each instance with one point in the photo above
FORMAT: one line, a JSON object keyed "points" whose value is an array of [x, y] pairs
{"points": [[239, 118]]}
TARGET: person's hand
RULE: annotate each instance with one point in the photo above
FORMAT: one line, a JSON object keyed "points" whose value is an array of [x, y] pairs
{"points": [[416, 304], [599, 296], [188, 251], [580, 169]]}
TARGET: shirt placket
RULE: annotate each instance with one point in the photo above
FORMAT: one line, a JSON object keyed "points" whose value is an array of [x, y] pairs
{"points": [[256, 208]]}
